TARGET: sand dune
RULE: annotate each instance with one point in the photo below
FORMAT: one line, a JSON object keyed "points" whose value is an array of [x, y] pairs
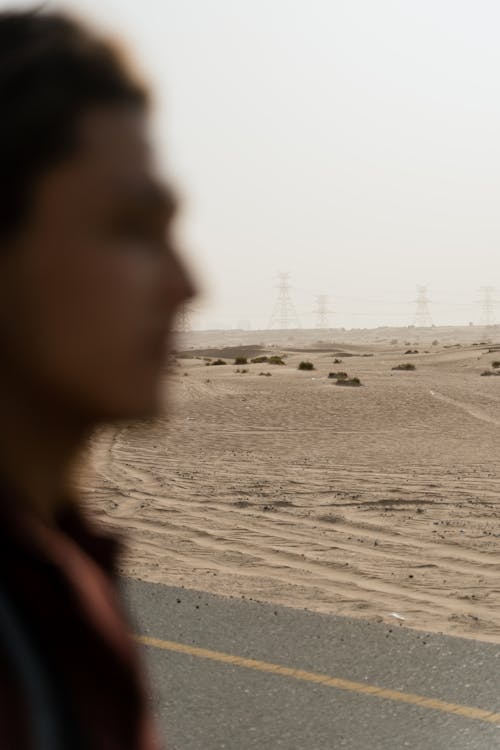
{"points": [[368, 501]]}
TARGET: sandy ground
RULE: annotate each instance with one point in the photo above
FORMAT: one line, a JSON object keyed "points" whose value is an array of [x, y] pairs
{"points": [[375, 501]]}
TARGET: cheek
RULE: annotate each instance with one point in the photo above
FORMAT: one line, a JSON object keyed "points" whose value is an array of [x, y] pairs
{"points": [[95, 313], [99, 296]]}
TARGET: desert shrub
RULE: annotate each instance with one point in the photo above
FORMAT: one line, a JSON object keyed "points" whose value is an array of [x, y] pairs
{"points": [[435, 342], [305, 365], [412, 351], [495, 364], [485, 373], [259, 360], [355, 382], [218, 362], [337, 375], [337, 361], [275, 360], [405, 366], [241, 361], [265, 374]]}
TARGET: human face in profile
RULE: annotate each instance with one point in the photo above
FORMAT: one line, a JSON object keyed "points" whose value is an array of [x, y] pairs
{"points": [[93, 284]]}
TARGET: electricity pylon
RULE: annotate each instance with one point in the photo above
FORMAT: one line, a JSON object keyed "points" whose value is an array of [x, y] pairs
{"points": [[488, 303], [321, 311], [284, 313], [422, 313]]}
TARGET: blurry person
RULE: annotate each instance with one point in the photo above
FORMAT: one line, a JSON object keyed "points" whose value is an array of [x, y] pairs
{"points": [[89, 285]]}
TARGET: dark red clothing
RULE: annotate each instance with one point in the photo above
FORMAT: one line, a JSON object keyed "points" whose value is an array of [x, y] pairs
{"points": [[58, 587]]}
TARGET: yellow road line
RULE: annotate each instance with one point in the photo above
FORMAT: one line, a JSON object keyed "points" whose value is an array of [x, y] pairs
{"points": [[322, 679]]}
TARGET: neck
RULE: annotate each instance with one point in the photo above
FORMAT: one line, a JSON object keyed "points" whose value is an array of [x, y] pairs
{"points": [[39, 445]]}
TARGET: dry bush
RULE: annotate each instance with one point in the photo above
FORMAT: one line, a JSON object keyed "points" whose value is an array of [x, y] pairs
{"points": [[305, 365], [354, 382], [405, 366]]}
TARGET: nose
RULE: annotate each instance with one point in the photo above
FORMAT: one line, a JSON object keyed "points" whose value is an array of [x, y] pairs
{"points": [[179, 285]]}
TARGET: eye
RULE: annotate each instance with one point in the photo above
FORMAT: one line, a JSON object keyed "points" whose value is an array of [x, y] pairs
{"points": [[130, 228]]}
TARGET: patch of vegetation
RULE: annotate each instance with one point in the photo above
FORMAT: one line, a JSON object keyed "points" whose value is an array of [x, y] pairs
{"points": [[355, 382], [337, 361], [489, 372], [242, 372], [241, 361], [338, 375], [306, 365], [265, 374], [405, 366], [412, 351], [331, 518], [218, 362], [275, 360], [435, 342], [259, 360], [495, 364]]}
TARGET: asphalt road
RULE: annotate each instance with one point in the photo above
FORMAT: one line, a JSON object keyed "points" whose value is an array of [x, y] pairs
{"points": [[303, 681]]}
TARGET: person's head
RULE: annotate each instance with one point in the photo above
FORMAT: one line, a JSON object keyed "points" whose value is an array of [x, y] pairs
{"points": [[89, 278]]}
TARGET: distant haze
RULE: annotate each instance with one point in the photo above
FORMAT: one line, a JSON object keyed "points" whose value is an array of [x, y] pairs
{"points": [[353, 144]]}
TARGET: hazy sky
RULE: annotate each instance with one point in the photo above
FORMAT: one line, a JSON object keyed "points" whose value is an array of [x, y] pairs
{"points": [[352, 143]]}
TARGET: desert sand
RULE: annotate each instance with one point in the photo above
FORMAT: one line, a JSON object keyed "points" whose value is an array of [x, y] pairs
{"points": [[380, 501]]}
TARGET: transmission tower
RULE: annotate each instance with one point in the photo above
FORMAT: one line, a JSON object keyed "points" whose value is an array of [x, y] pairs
{"points": [[422, 313], [183, 321], [488, 303], [321, 311], [284, 313]]}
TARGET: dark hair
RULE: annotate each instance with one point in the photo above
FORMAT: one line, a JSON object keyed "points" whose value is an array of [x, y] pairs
{"points": [[52, 69]]}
